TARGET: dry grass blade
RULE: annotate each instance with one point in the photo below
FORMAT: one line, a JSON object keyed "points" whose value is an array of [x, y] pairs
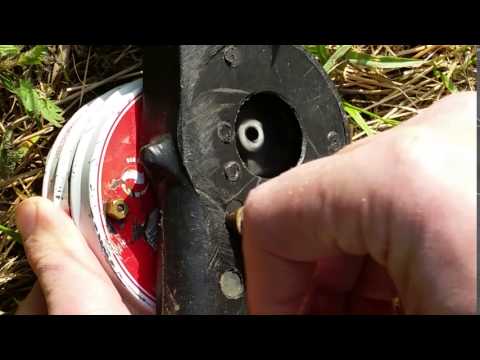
{"points": [[337, 55], [381, 62], [395, 81]]}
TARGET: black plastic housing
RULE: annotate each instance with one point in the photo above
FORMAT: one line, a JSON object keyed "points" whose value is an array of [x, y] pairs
{"points": [[200, 90]]}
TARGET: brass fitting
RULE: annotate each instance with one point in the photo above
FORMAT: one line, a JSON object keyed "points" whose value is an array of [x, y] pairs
{"points": [[116, 209], [234, 220]]}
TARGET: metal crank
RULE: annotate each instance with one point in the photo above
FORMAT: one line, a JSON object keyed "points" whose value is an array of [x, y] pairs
{"points": [[149, 170]]}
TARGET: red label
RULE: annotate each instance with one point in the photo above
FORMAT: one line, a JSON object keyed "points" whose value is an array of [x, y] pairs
{"points": [[123, 177]]}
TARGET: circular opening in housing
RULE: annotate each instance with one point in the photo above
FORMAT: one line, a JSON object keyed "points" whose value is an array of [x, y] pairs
{"points": [[269, 137], [252, 134]]}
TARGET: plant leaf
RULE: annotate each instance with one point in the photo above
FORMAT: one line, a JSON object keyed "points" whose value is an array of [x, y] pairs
{"points": [[36, 104], [446, 80], [381, 62], [9, 50], [8, 157], [34, 56], [337, 55], [358, 119], [7, 82], [51, 112], [25, 147], [373, 115], [9, 232], [320, 51], [26, 94]]}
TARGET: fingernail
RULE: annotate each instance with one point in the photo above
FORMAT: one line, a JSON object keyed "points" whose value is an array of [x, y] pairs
{"points": [[26, 217]]}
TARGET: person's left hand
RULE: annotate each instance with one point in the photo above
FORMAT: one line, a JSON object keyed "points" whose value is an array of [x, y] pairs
{"points": [[71, 280]]}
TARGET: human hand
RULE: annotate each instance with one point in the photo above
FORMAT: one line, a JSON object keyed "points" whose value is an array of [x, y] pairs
{"points": [[390, 215], [425, 241], [70, 278]]}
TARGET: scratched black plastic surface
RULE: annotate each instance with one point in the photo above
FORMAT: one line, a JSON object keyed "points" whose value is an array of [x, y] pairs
{"points": [[212, 89], [182, 285]]}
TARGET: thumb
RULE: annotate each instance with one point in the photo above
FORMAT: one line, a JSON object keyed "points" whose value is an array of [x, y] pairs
{"points": [[70, 276]]}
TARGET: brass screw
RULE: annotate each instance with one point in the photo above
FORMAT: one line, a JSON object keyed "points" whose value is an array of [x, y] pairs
{"points": [[235, 220], [397, 306], [117, 209]]}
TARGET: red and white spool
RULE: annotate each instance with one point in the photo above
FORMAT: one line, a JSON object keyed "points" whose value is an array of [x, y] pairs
{"points": [[94, 160]]}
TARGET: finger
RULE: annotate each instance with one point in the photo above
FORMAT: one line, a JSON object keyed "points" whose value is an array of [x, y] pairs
{"points": [[356, 145], [374, 283], [332, 282], [34, 303], [333, 195], [351, 284], [337, 274], [374, 291], [70, 276], [262, 286], [359, 202], [367, 306], [316, 209], [315, 214], [336, 304]]}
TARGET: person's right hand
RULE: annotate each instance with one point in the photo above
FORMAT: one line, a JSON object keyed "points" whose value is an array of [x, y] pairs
{"points": [[391, 214]]}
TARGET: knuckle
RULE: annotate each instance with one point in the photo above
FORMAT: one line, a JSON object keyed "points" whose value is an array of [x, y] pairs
{"points": [[47, 265], [410, 149], [41, 259]]}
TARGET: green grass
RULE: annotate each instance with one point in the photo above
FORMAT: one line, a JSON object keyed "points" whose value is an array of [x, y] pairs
{"points": [[393, 72], [40, 87], [11, 233], [34, 101]]}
